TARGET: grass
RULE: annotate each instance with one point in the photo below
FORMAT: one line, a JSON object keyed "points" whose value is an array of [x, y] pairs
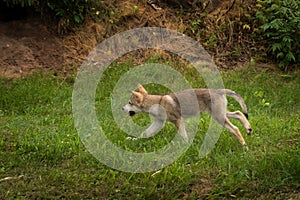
{"points": [[41, 155]]}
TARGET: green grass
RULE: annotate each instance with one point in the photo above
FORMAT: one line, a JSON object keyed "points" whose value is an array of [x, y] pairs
{"points": [[41, 155]]}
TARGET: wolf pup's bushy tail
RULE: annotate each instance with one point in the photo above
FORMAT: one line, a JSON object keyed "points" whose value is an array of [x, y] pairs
{"points": [[239, 99]]}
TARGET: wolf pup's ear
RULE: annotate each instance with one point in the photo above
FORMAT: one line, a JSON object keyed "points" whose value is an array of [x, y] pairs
{"points": [[141, 89], [137, 97]]}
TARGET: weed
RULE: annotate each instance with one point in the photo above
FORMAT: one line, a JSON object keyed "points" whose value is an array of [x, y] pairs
{"points": [[280, 25]]}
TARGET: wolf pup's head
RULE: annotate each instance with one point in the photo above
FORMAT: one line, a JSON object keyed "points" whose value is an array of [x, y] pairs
{"points": [[135, 103]]}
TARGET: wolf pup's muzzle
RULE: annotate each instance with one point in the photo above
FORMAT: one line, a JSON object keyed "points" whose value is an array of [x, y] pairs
{"points": [[130, 113]]}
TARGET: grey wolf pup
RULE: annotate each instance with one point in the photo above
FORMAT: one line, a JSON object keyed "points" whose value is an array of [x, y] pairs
{"points": [[177, 106]]}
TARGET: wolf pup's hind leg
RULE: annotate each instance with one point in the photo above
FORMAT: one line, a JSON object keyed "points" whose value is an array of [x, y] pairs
{"points": [[235, 131], [241, 117]]}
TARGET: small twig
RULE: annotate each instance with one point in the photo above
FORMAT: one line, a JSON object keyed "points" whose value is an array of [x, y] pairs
{"points": [[154, 5], [230, 8], [290, 140], [157, 172], [11, 178]]}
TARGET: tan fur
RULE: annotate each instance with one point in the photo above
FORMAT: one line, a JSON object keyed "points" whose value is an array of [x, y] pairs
{"points": [[177, 106]]}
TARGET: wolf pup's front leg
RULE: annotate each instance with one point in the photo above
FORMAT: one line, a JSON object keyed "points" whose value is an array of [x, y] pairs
{"points": [[181, 129], [154, 128]]}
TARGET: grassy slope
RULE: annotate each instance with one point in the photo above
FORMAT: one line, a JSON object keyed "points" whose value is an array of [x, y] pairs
{"points": [[41, 155]]}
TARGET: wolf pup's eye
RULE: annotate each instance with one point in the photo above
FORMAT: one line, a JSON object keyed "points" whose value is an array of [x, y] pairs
{"points": [[130, 103]]}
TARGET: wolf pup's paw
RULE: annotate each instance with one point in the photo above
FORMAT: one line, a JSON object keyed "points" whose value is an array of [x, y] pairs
{"points": [[143, 135], [249, 131], [246, 148]]}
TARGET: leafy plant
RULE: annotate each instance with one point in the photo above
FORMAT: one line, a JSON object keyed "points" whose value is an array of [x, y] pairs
{"points": [[195, 24], [280, 26], [262, 101], [73, 10], [23, 3], [69, 12]]}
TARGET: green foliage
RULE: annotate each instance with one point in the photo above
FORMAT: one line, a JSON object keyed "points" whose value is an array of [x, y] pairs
{"points": [[69, 12], [72, 10], [23, 3], [280, 25]]}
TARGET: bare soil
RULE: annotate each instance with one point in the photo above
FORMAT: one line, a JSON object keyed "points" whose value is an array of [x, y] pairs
{"points": [[34, 44], [28, 45]]}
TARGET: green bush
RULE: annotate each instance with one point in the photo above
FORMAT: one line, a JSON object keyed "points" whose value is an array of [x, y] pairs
{"points": [[23, 3], [279, 22], [72, 10], [69, 12]]}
